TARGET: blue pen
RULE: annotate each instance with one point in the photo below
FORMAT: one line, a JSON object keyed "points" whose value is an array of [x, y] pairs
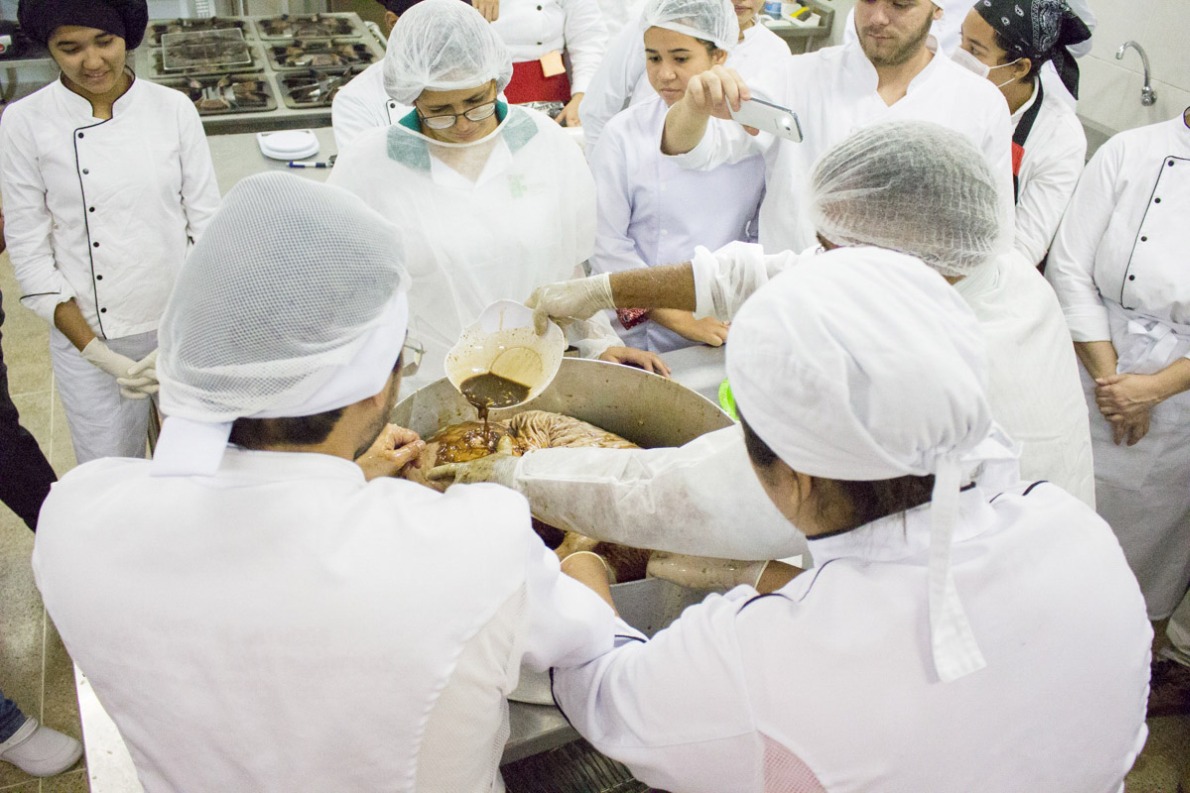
{"points": [[293, 164]]}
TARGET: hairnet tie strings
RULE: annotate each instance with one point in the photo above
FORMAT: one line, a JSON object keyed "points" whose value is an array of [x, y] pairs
{"points": [[956, 653]]}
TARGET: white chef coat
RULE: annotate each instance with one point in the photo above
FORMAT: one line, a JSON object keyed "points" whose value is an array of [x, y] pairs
{"points": [[527, 220], [104, 211], [1117, 268], [621, 80], [532, 28], [1033, 383], [1054, 155], [285, 625], [363, 104], [702, 498], [651, 211], [828, 684], [833, 92]]}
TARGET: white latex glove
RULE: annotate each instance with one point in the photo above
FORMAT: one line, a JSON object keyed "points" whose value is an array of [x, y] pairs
{"points": [[698, 572], [141, 378], [566, 301], [118, 366], [497, 468]]}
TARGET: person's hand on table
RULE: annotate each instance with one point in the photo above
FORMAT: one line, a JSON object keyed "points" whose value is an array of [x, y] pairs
{"points": [[394, 448], [641, 359], [707, 330], [569, 115], [489, 8], [565, 301]]}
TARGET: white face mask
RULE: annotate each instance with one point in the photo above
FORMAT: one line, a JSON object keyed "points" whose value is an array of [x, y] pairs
{"points": [[973, 64]]}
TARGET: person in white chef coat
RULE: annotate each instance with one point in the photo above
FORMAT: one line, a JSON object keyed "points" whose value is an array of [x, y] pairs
{"points": [[107, 180], [262, 606], [556, 46], [1009, 42], [493, 199], [621, 79], [929, 649], [651, 211], [894, 72], [909, 186], [1117, 266]]}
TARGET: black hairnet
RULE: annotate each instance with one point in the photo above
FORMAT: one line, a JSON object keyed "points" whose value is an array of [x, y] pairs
{"points": [[124, 18]]}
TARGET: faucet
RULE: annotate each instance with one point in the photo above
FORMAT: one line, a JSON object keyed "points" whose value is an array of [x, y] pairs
{"points": [[1147, 95]]}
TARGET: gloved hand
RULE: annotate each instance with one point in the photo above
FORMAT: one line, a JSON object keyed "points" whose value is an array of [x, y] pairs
{"points": [[566, 301], [141, 380], [118, 366], [498, 468]]}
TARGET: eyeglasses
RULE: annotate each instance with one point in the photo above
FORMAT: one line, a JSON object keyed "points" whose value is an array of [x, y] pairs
{"points": [[411, 355], [448, 120]]}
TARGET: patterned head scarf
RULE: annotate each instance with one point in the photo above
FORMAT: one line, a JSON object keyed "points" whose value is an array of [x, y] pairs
{"points": [[1040, 30]]}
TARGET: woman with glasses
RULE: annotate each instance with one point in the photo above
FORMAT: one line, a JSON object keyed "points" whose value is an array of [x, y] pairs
{"points": [[493, 200]]}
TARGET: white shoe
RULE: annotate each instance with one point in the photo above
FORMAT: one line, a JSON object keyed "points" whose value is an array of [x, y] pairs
{"points": [[40, 751]]}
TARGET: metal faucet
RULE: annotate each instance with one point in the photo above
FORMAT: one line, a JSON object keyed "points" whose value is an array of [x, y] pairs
{"points": [[1147, 95]]}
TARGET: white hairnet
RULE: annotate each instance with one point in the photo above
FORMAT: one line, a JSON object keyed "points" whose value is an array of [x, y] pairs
{"points": [[710, 20], [443, 45], [292, 303], [861, 364], [909, 186]]}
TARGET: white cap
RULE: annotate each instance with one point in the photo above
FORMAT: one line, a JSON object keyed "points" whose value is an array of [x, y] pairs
{"points": [[292, 303], [710, 20], [863, 364], [443, 45]]}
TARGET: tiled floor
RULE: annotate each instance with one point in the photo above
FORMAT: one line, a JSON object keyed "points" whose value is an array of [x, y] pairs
{"points": [[36, 672]]}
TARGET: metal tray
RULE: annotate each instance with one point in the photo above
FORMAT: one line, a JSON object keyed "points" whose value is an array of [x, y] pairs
{"points": [[205, 49], [288, 27], [320, 54], [196, 87]]}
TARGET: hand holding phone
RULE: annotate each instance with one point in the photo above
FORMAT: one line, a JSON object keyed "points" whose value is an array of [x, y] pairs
{"points": [[768, 117]]}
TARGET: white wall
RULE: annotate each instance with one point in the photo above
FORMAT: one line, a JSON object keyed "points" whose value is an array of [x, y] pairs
{"points": [[1109, 91]]}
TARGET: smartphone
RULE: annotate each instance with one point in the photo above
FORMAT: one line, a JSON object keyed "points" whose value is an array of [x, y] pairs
{"points": [[771, 118]]}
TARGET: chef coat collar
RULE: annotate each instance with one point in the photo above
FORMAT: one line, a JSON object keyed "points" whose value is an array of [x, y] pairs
{"points": [[77, 105], [258, 466], [860, 69], [1020, 111], [904, 535]]}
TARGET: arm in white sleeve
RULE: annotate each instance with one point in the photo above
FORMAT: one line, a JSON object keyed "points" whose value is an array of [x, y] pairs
{"points": [[586, 40], [352, 114], [200, 190], [28, 222], [723, 280], [701, 499], [676, 710], [1071, 265], [615, 251], [593, 336], [997, 148], [723, 142], [612, 84], [1046, 194]]}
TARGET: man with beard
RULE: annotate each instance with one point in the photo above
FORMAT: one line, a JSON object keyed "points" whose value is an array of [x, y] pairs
{"points": [[894, 72]]}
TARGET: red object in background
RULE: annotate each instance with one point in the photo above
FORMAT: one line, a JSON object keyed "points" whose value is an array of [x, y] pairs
{"points": [[529, 84], [631, 317]]}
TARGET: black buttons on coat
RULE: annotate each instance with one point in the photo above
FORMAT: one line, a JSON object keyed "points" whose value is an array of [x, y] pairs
{"points": [[86, 170], [1132, 278], [80, 134]]}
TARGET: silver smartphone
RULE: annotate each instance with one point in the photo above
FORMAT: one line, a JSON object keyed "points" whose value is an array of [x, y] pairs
{"points": [[771, 118]]}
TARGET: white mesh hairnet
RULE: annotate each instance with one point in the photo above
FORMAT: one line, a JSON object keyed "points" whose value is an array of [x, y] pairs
{"points": [[292, 303], [443, 45], [710, 20], [909, 186], [861, 364]]}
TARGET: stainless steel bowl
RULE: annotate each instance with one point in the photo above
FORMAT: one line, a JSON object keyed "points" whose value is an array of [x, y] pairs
{"points": [[644, 408]]}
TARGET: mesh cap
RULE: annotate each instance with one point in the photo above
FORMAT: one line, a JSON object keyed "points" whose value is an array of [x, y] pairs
{"points": [[909, 186], [710, 20], [443, 45], [291, 304]]}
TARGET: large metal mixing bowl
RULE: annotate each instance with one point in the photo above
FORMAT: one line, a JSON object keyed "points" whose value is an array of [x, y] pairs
{"points": [[644, 408]]}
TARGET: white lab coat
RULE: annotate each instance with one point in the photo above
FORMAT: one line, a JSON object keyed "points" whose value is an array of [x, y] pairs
{"points": [[104, 211], [828, 685], [1033, 383], [652, 211], [1054, 155], [833, 92], [526, 220], [621, 80], [363, 104], [1117, 268], [532, 28], [288, 626]]}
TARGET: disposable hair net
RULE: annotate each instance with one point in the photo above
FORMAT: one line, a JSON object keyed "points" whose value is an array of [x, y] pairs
{"points": [[862, 364], [710, 20], [910, 186], [443, 45], [292, 303]]}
